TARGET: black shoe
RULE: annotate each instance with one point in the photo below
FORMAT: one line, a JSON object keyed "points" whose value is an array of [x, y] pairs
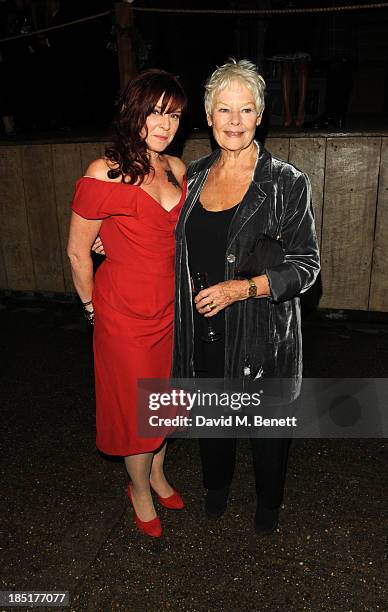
{"points": [[266, 520], [216, 502]]}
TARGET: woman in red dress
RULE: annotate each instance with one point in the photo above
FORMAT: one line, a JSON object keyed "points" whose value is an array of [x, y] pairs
{"points": [[132, 198]]}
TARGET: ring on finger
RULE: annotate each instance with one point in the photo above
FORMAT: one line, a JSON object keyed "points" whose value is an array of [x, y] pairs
{"points": [[211, 305]]}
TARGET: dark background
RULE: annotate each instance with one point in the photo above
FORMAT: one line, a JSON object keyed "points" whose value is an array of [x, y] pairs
{"points": [[68, 79]]}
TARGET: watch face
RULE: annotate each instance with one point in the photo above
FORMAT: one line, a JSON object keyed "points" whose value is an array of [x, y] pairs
{"points": [[252, 290]]}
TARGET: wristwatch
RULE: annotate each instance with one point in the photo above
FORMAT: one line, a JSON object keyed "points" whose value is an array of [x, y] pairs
{"points": [[252, 292]]}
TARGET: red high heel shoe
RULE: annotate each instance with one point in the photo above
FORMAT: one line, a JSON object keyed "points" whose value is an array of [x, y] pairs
{"points": [[151, 528], [174, 501]]}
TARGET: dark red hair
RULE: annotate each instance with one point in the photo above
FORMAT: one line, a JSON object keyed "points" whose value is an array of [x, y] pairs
{"points": [[128, 154]]}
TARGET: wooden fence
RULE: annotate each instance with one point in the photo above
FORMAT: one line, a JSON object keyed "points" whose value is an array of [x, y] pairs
{"points": [[349, 176]]}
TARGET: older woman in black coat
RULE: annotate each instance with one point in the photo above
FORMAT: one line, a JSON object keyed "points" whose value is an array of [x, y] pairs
{"points": [[237, 193]]}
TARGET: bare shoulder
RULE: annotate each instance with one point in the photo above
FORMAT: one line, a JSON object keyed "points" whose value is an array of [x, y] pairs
{"points": [[98, 169], [177, 166]]}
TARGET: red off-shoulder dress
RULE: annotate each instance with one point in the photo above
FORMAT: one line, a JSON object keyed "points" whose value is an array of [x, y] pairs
{"points": [[133, 299]]}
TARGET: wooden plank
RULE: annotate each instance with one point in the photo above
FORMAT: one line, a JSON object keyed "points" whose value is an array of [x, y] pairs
{"points": [[279, 147], [67, 168], [42, 217], [14, 230], [349, 208], [378, 299], [89, 152], [3, 271], [308, 154], [195, 148]]}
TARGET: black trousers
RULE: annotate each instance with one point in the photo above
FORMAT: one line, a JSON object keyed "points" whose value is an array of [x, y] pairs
{"points": [[269, 463], [219, 454]]}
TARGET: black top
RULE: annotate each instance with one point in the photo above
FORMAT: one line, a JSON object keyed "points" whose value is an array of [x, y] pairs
{"points": [[206, 235]]}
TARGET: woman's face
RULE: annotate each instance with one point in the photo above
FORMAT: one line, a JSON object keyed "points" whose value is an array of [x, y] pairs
{"points": [[160, 128], [234, 117]]}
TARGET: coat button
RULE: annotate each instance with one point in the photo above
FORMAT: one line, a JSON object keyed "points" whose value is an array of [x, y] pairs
{"points": [[231, 258]]}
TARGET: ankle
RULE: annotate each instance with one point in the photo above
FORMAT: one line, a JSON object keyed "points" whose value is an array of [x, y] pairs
{"points": [[161, 486], [140, 491], [157, 476], [143, 506]]}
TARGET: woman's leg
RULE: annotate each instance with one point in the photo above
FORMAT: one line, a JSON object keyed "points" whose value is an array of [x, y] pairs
{"points": [[303, 73], [270, 465], [218, 457], [138, 468], [157, 478], [286, 91]]}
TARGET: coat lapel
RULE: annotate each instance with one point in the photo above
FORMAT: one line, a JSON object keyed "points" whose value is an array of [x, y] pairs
{"points": [[255, 195], [197, 176], [252, 200]]}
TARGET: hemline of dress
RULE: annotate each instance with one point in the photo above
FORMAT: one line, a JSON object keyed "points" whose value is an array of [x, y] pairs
{"points": [[127, 454]]}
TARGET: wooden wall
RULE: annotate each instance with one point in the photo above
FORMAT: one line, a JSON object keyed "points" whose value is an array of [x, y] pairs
{"points": [[36, 188], [349, 178]]}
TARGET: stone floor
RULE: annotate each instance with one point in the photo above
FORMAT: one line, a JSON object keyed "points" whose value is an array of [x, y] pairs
{"points": [[67, 525]]}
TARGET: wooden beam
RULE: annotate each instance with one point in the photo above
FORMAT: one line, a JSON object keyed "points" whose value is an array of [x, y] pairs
{"points": [[126, 54], [378, 299], [349, 210], [279, 147], [308, 155], [67, 168], [17, 270], [42, 217]]}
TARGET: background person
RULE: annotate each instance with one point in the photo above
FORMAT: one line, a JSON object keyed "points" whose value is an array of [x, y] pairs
{"points": [[288, 43]]}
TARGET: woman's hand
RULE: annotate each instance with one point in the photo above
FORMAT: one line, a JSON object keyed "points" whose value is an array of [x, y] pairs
{"points": [[211, 300], [98, 247]]}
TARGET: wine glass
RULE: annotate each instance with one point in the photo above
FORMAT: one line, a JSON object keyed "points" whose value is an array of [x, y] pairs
{"points": [[199, 281]]}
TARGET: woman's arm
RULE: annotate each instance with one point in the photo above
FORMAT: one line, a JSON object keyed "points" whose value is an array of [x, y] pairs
{"points": [[81, 237], [294, 276], [301, 253]]}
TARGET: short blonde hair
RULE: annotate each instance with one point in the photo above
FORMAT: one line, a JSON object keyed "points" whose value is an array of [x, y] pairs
{"points": [[243, 71]]}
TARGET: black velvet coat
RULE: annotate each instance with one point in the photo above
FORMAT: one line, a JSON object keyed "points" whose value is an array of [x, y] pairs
{"points": [[262, 336]]}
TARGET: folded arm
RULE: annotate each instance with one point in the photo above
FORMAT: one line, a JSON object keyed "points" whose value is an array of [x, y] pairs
{"points": [[285, 281]]}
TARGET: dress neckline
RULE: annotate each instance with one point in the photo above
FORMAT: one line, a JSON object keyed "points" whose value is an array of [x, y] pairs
{"points": [[225, 210], [182, 196]]}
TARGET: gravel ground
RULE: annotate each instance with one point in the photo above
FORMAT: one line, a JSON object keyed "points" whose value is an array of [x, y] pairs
{"points": [[67, 525]]}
